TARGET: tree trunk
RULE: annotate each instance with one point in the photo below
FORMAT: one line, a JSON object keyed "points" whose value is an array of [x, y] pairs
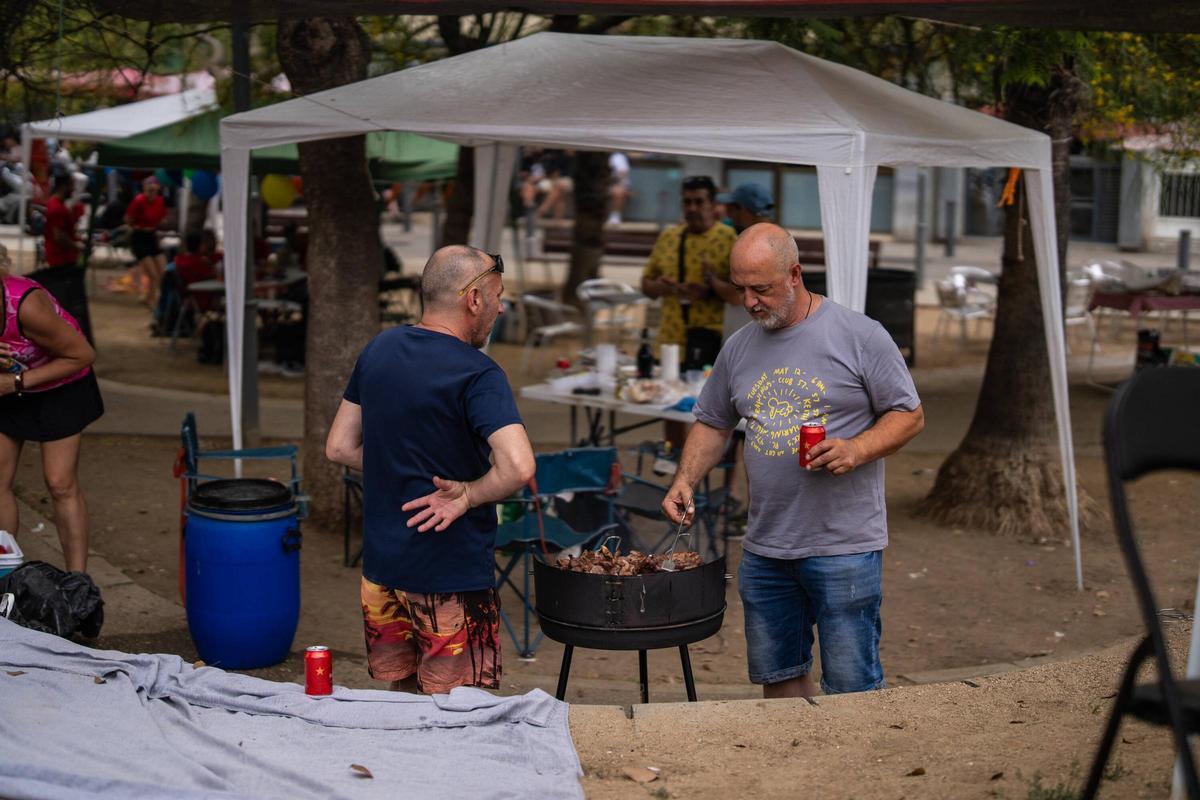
{"points": [[1006, 475], [461, 206], [343, 241], [591, 210]]}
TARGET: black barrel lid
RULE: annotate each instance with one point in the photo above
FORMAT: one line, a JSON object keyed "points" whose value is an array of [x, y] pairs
{"points": [[241, 494]]}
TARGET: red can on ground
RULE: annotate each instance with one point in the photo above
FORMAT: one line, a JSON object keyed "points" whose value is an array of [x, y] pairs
{"points": [[318, 670], [810, 434]]}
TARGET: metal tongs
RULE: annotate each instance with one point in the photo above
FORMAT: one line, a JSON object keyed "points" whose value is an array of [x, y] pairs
{"points": [[669, 564]]}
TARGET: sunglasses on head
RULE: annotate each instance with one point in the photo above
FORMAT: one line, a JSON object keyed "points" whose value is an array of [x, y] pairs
{"points": [[497, 267]]}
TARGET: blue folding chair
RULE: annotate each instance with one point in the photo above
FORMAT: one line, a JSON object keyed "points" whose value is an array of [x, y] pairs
{"points": [[187, 469], [639, 497], [584, 474], [190, 456]]}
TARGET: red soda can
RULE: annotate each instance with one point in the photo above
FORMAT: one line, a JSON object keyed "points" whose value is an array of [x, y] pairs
{"points": [[318, 670], [810, 434]]}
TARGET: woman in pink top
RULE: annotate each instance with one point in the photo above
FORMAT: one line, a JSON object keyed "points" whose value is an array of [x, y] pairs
{"points": [[48, 394]]}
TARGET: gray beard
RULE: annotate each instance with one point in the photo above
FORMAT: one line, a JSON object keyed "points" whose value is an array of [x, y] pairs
{"points": [[778, 318]]}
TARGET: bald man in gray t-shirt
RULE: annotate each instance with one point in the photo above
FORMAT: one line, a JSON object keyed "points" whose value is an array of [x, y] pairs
{"points": [[813, 549]]}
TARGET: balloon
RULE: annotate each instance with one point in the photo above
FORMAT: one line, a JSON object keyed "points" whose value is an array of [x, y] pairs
{"points": [[277, 191], [188, 173], [167, 177], [204, 184], [298, 185]]}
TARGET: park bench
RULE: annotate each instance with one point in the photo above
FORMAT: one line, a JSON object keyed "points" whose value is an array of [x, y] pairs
{"points": [[636, 243]]}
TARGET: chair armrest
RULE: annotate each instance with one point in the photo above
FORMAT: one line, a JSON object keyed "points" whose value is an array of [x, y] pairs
{"points": [[642, 481], [283, 451]]}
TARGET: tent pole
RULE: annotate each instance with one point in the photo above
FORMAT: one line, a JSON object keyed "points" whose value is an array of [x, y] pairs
{"points": [[1040, 190], [185, 200], [922, 228], [251, 432], [435, 235]]}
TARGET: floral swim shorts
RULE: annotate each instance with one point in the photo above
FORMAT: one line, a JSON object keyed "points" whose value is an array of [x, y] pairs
{"points": [[446, 639]]}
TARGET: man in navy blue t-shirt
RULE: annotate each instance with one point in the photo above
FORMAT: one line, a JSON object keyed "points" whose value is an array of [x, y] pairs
{"points": [[433, 425]]}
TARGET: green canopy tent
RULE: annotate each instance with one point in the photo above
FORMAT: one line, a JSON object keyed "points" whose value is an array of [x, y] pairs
{"points": [[195, 144]]}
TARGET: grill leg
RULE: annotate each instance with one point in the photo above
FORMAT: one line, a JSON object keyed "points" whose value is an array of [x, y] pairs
{"points": [[564, 671], [644, 682], [688, 680]]}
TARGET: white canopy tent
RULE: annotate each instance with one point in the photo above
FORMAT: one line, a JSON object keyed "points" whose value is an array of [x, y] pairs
{"points": [[118, 122], [749, 100]]}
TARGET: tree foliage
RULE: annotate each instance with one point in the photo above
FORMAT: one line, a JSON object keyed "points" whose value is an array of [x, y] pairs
{"points": [[106, 57]]}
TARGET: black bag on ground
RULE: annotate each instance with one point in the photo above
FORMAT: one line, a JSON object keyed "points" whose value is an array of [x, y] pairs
{"points": [[52, 600]]}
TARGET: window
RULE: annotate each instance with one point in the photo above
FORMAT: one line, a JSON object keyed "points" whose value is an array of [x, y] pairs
{"points": [[800, 202], [797, 199], [1180, 195], [654, 191]]}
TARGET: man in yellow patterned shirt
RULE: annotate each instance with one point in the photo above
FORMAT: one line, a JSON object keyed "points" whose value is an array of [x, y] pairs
{"points": [[692, 291]]}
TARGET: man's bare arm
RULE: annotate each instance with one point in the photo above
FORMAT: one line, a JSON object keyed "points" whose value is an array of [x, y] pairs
{"points": [[659, 287], [513, 466], [344, 444], [701, 452], [725, 290], [889, 433]]}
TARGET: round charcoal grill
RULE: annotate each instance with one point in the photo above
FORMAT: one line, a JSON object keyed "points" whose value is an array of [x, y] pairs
{"points": [[636, 612]]}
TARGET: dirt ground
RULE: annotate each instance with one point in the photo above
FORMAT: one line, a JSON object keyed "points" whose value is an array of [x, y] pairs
{"points": [[953, 599], [1026, 735]]}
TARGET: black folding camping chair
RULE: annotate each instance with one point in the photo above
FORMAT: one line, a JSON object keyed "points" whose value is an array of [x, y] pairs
{"points": [[1152, 424]]}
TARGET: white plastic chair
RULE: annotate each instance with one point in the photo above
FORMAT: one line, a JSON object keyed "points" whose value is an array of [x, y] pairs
{"points": [[620, 301], [1075, 312], [975, 276], [555, 320], [982, 285], [1104, 274], [958, 302]]}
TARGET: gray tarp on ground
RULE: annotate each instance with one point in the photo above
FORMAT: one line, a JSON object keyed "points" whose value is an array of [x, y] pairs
{"points": [[157, 728]]}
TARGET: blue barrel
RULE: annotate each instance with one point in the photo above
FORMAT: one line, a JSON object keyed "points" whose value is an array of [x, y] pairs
{"points": [[242, 562]]}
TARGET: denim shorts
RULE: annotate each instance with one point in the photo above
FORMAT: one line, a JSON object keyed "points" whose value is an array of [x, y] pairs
{"points": [[785, 598]]}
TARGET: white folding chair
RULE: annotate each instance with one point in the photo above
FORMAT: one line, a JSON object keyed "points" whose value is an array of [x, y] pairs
{"points": [[619, 300], [544, 321], [1075, 312], [957, 301]]}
